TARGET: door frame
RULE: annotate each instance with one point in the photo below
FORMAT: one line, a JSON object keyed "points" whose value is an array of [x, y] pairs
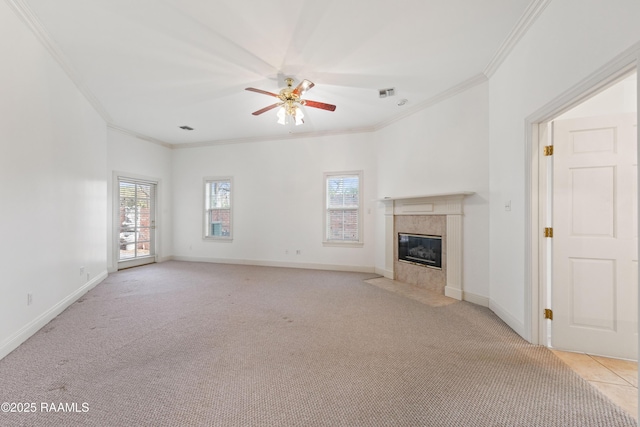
{"points": [[115, 238], [535, 295]]}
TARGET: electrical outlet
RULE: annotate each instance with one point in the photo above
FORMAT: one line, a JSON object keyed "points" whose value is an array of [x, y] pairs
{"points": [[88, 276], [29, 298], [81, 271], [298, 252], [507, 206]]}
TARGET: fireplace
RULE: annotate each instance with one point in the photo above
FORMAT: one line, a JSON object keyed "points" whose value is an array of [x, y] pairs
{"points": [[420, 249], [420, 252], [438, 217]]}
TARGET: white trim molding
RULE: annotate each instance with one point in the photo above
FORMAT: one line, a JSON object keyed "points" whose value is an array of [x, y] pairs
{"points": [[618, 67], [36, 324], [139, 135], [476, 299], [528, 18], [268, 263], [508, 318]]}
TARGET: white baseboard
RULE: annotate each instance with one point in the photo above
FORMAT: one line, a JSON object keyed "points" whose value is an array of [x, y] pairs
{"points": [[34, 326], [383, 272], [475, 299], [308, 266], [113, 269], [508, 318], [453, 293]]}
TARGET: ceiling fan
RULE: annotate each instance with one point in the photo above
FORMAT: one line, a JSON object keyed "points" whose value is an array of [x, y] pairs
{"points": [[290, 101]]}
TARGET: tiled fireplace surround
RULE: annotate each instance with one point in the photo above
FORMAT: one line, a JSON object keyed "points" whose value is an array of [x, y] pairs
{"points": [[440, 215]]}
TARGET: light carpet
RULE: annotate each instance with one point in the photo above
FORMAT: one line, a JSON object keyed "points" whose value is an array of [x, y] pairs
{"points": [[190, 344]]}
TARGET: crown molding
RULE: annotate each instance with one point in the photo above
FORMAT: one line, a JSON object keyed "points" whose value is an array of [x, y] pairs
{"points": [[533, 11], [607, 75], [140, 136], [24, 12], [449, 93]]}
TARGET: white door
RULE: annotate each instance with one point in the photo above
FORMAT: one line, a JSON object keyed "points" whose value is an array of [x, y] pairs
{"points": [[595, 260], [136, 233]]}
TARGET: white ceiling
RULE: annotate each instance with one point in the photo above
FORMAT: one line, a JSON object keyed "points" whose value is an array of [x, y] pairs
{"points": [[151, 66]]}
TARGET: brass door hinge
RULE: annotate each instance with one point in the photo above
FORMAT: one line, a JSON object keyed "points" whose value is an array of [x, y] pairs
{"points": [[548, 313], [548, 150], [548, 232]]}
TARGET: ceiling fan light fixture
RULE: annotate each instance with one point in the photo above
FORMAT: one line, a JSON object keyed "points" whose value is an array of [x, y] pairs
{"points": [[299, 116], [290, 112], [290, 101], [282, 114]]}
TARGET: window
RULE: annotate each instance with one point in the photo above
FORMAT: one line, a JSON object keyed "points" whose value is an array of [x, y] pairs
{"points": [[217, 208], [342, 201]]}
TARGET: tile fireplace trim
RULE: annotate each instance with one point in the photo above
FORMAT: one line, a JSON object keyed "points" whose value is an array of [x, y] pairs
{"points": [[448, 204]]}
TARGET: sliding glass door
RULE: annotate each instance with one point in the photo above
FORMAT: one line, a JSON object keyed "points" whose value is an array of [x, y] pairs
{"points": [[137, 223]]}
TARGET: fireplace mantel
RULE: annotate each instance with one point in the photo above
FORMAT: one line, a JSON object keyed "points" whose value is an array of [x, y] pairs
{"points": [[447, 204], [429, 196], [431, 204]]}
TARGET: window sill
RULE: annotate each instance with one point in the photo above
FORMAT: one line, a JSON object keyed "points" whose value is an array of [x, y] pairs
{"points": [[337, 244], [218, 239]]}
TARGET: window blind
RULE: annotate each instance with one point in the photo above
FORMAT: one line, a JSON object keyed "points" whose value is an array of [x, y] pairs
{"points": [[218, 208], [343, 208]]}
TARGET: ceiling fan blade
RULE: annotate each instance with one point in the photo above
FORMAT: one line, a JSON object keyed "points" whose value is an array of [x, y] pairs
{"points": [[253, 89], [304, 86], [265, 109], [321, 105]]}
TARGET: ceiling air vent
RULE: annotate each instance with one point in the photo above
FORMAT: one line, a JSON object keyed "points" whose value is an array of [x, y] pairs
{"points": [[387, 92], [185, 127]]}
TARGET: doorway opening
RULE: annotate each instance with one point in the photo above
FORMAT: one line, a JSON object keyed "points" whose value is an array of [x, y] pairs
{"points": [[587, 222], [136, 237]]}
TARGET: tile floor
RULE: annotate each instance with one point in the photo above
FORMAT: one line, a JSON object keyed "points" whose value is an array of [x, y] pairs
{"points": [[432, 298], [615, 378]]}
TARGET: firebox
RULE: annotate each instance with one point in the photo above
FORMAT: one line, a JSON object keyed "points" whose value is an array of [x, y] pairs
{"points": [[420, 249]]}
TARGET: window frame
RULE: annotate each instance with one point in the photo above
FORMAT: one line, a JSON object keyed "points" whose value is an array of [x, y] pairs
{"points": [[325, 207], [206, 209]]}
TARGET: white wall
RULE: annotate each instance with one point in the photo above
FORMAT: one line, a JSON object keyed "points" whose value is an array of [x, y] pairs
{"points": [[443, 148], [618, 99], [52, 186], [277, 196], [567, 43], [133, 157]]}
